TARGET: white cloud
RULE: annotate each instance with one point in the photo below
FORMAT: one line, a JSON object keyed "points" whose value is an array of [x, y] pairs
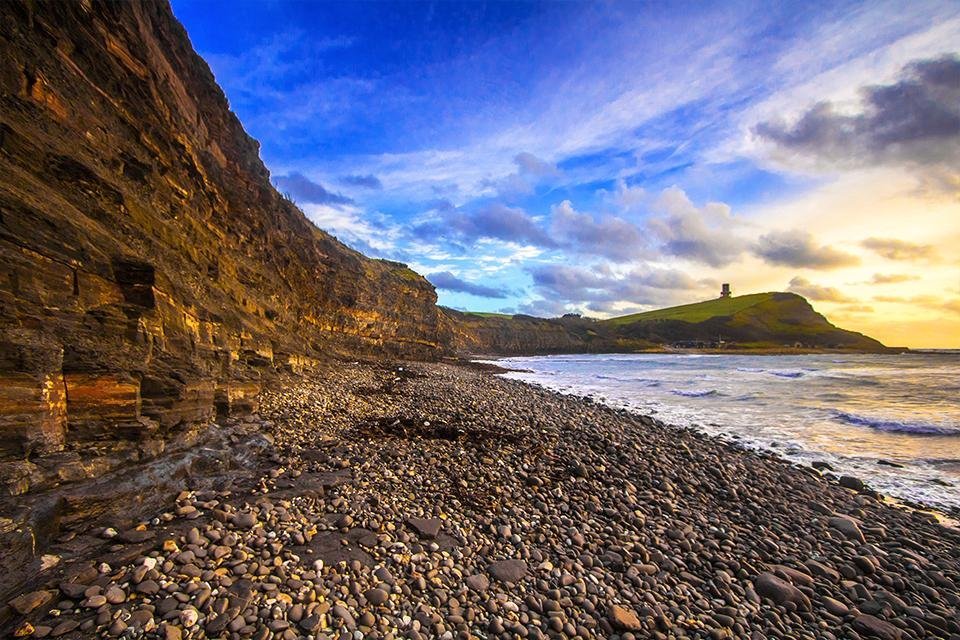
{"points": [[348, 224], [706, 234]]}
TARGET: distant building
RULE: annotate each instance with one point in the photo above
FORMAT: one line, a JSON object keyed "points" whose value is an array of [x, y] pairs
{"points": [[725, 290]]}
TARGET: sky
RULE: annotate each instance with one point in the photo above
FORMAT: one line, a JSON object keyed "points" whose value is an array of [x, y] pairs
{"points": [[608, 158]]}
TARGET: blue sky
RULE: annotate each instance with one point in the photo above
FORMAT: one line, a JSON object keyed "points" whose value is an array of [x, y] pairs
{"points": [[605, 158]]}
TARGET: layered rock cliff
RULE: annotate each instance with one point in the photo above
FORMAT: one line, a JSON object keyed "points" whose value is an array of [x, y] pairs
{"points": [[152, 276]]}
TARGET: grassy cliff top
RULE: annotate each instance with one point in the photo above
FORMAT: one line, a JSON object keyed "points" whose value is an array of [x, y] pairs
{"points": [[698, 311]]}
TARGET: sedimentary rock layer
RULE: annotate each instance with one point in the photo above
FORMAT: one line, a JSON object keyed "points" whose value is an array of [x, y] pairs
{"points": [[151, 274]]}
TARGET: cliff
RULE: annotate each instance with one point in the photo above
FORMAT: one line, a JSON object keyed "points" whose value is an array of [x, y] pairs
{"points": [[757, 321], [153, 278], [152, 275], [499, 334]]}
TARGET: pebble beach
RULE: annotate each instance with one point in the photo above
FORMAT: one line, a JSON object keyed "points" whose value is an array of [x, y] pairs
{"points": [[440, 501]]}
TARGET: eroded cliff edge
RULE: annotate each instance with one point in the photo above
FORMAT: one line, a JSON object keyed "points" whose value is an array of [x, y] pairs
{"points": [[152, 276]]}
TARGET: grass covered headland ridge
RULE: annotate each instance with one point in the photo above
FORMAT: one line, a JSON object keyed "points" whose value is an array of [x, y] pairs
{"points": [[771, 321]]}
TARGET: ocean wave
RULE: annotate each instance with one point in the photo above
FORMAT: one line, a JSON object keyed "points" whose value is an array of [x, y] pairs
{"points": [[696, 393], [897, 426], [852, 380], [788, 374], [643, 382]]}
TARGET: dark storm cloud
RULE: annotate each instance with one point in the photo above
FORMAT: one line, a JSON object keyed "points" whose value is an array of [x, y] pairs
{"points": [[895, 249], [304, 190], [915, 120], [367, 182], [797, 248], [449, 282]]}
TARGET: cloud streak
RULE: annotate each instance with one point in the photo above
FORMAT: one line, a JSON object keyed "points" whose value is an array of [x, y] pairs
{"points": [[900, 250], [368, 181], [448, 281], [304, 190], [796, 248], [817, 292]]}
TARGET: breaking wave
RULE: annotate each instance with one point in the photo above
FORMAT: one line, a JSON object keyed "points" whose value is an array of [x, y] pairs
{"points": [[696, 393], [897, 426]]}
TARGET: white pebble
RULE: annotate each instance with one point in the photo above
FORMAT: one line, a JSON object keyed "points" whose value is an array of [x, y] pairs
{"points": [[189, 617]]}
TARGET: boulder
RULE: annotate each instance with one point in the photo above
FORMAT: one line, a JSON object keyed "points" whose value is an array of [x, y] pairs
{"points": [[426, 527], [873, 627], [624, 619], [780, 591], [848, 527], [508, 570]]}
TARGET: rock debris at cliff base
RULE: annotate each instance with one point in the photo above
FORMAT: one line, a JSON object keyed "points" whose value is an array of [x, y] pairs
{"points": [[431, 501]]}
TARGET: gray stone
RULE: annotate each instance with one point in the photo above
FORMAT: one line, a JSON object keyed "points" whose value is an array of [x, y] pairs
{"points": [[426, 527], [508, 570], [780, 591]]}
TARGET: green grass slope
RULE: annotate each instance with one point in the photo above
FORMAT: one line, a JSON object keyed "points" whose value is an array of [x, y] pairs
{"points": [[761, 320], [697, 311]]}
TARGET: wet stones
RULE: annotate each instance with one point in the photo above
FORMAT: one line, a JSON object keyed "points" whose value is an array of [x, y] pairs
{"points": [[94, 602], [849, 482], [115, 595], [134, 536], [189, 617], [148, 588], [64, 627]]}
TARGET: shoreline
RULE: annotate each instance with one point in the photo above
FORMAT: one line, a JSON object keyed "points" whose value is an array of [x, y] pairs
{"points": [[773, 351], [444, 501], [950, 516]]}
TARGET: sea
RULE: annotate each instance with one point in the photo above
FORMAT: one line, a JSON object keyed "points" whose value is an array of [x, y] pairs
{"points": [[891, 420]]}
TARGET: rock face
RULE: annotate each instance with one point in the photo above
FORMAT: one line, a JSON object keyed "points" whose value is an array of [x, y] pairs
{"points": [[152, 275], [153, 280], [521, 334]]}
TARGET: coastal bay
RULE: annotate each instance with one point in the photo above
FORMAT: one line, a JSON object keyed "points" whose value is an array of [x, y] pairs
{"points": [[892, 420], [429, 500]]}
